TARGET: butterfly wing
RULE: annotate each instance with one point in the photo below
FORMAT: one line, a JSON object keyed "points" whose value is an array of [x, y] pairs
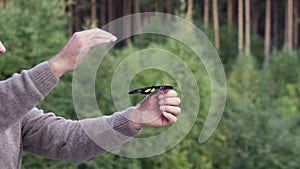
{"points": [[135, 91], [165, 87], [149, 90]]}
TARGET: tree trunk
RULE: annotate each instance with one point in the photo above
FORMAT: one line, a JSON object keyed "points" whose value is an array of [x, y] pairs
{"points": [[63, 6], [189, 14], [247, 25], [77, 15], [290, 24], [267, 32], [162, 6], [94, 11], [157, 6], [103, 13], [255, 16], [296, 10], [111, 14], [229, 15], [216, 24], [2, 2], [206, 14], [138, 19], [286, 23], [275, 24], [70, 13], [127, 24], [240, 27], [169, 7]]}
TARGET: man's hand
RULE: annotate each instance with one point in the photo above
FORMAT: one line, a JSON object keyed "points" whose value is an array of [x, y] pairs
{"points": [[156, 111], [77, 49]]}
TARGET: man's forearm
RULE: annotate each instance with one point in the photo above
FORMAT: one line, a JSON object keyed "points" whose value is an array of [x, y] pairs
{"points": [[74, 141]]}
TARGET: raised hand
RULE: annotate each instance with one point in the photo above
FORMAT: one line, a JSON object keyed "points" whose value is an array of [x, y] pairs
{"points": [[77, 49]]}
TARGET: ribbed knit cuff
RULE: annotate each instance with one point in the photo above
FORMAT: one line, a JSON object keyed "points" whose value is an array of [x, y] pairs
{"points": [[43, 78], [121, 123]]}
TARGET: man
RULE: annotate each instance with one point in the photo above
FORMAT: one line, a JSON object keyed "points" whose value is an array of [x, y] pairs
{"points": [[23, 127]]}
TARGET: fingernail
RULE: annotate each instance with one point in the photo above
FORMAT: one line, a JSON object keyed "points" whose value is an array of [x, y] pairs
{"points": [[114, 38], [2, 48]]}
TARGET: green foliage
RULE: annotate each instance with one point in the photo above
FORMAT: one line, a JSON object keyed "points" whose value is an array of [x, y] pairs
{"points": [[290, 103], [284, 68], [32, 31], [260, 118]]}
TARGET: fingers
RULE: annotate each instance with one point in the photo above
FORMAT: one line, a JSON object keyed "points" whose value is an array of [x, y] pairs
{"points": [[175, 110], [2, 48], [96, 32], [169, 93], [169, 103], [169, 98], [100, 36], [170, 118], [100, 41], [173, 101], [104, 34], [95, 37]]}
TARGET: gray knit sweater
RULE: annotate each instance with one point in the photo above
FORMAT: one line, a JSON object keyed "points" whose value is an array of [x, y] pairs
{"points": [[26, 128]]}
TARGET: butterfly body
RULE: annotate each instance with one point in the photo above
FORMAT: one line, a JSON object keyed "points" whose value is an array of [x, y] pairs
{"points": [[149, 90]]}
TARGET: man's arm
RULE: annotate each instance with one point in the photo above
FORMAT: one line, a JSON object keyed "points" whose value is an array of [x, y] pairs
{"points": [[77, 141], [57, 138], [22, 92]]}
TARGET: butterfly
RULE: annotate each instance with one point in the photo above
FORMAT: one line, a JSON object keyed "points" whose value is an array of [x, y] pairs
{"points": [[150, 90]]}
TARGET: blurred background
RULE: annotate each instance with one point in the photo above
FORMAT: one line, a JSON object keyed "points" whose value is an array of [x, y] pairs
{"points": [[257, 42]]}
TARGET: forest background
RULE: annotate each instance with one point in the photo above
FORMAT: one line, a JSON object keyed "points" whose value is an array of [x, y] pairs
{"points": [[257, 42]]}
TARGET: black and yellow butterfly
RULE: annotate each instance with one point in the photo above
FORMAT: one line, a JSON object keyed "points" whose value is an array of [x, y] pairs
{"points": [[149, 90]]}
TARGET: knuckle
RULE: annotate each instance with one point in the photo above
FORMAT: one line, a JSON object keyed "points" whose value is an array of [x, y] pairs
{"points": [[76, 34], [96, 29]]}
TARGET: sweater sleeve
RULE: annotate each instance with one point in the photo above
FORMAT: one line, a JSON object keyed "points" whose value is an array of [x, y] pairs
{"points": [[22, 92], [56, 138]]}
